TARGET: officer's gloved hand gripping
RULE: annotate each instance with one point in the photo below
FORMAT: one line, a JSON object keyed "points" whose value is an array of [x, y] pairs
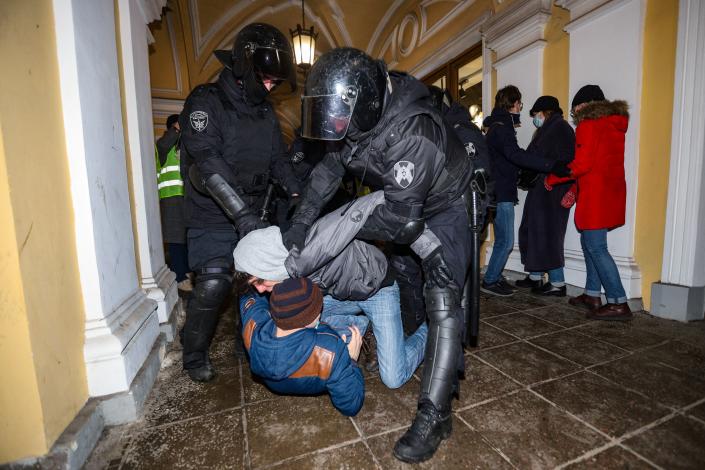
{"points": [[227, 198]]}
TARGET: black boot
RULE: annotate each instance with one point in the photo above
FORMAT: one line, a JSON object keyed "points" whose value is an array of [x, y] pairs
{"points": [[205, 373], [200, 325], [421, 440], [439, 383]]}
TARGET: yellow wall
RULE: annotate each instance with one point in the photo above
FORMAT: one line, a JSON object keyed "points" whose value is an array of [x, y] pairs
{"points": [[556, 57], [45, 299], [660, 35]]}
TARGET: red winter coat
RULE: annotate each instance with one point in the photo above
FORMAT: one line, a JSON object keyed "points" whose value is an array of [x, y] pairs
{"points": [[598, 167]]}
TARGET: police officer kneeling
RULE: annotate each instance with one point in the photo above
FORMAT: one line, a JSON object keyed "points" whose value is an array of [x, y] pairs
{"points": [[392, 139], [231, 142]]}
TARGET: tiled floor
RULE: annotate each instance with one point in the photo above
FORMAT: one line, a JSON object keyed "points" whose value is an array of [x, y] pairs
{"points": [[544, 389]]}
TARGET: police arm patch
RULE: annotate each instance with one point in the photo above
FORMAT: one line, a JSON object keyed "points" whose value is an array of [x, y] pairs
{"points": [[199, 120], [404, 173], [250, 302]]}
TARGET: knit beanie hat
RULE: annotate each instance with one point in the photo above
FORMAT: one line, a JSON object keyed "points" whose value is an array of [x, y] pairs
{"points": [[586, 94], [295, 303], [261, 253]]}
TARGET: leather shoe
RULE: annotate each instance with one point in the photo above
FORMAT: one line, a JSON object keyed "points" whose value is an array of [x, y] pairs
{"points": [[611, 312], [422, 439], [528, 283], [586, 301]]}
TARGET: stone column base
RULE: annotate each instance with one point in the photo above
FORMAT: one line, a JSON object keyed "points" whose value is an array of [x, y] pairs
{"points": [[676, 302]]}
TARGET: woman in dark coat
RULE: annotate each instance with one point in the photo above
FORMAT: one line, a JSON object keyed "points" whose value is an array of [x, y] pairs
{"points": [[545, 217]]}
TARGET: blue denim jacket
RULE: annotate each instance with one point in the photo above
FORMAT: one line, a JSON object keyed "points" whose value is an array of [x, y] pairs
{"points": [[307, 362]]}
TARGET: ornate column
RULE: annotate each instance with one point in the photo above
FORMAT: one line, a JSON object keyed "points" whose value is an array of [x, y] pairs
{"points": [[606, 44], [681, 293], [121, 320], [516, 37], [155, 277]]}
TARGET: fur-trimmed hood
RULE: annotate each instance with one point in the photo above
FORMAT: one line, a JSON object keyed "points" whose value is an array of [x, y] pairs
{"points": [[600, 109]]}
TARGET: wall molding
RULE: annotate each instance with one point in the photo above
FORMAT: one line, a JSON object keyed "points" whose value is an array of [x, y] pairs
{"points": [[452, 48], [517, 27], [579, 7]]}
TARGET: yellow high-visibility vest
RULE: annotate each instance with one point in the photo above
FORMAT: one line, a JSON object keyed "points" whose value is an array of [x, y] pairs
{"points": [[169, 181]]}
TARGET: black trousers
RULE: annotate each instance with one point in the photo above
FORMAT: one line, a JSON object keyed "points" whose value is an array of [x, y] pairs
{"points": [[451, 228], [210, 252]]}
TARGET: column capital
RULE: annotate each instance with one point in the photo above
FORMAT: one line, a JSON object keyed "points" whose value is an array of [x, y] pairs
{"points": [[516, 27]]}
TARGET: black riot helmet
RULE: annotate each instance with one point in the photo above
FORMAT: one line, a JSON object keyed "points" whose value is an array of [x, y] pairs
{"points": [[440, 99], [345, 88], [260, 52]]}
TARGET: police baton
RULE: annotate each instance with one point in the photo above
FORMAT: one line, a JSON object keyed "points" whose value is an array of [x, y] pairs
{"points": [[264, 211]]}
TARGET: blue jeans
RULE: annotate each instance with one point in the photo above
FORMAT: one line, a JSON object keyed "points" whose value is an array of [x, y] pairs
{"points": [[601, 268], [398, 357], [555, 276], [503, 241]]}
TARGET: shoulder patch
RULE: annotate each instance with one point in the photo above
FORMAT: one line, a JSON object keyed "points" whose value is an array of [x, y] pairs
{"points": [[250, 302], [404, 173], [199, 120]]}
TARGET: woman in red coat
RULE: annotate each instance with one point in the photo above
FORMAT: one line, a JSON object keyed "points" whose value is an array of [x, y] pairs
{"points": [[598, 169]]}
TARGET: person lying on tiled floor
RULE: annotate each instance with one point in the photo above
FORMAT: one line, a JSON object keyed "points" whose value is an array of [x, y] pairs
{"points": [[295, 353]]}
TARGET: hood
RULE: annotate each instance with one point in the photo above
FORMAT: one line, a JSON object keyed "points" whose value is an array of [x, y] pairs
{"points": [[457, 114], [405, 90], [236, 93], [498, 115], [603, 109], [280, 357]]}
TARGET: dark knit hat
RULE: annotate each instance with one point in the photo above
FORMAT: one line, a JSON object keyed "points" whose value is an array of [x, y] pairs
{"points": [[295, 303], [546, 103], [586, 94]]}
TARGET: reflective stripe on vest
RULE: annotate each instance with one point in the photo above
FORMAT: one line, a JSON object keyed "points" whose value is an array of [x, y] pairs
{"points": [[169, 181]]}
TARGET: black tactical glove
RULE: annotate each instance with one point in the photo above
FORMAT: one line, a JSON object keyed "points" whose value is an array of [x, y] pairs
{"points": [[248, 223], [295, 236], [560, 168], [435, 269]]}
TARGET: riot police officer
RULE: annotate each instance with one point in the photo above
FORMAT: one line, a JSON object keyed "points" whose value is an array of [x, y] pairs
{"points": [[477, 199], [231, 144], [390, 138]]}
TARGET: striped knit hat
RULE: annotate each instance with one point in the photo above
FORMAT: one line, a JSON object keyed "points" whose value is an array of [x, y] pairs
{"points": [[295, 303]]}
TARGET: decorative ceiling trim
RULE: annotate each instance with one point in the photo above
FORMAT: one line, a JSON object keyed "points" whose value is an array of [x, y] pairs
{"points": [[339, 18], [451, 48], [410, 18], [605, 8], [174, 57], [580, 7], [427, 33], [381, 25], [517, 27], [151, 10], [200, 41]]}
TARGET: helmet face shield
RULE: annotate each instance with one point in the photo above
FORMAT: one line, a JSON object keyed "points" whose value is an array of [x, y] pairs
{"points": [[327, 117], [273, 64]]}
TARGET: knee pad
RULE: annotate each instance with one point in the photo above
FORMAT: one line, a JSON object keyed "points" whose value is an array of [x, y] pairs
{"points": [[210, 291], [442, 303]]}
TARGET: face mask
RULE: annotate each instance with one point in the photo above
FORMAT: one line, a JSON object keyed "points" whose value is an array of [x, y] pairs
{"points": [[538, 122], [516, 118]]}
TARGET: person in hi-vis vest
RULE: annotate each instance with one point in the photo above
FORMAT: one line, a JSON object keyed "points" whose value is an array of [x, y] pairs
{"points": [[171, 201]]}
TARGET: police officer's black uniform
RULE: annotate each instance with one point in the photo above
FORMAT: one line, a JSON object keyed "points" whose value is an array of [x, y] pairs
{"points": [[231, 144], [392, 139]]}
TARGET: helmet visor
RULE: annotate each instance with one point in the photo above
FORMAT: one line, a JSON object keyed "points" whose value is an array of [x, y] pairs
{"points": [[327, 117], [274, 64]]}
